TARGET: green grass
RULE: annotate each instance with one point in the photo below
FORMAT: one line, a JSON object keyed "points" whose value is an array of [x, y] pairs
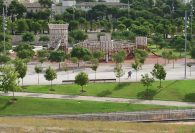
{"points": [[37, 106], [178, 90], [159, 51]]}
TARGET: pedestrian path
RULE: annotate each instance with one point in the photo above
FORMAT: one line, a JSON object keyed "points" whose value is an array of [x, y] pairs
{"points": [[100, 99]]}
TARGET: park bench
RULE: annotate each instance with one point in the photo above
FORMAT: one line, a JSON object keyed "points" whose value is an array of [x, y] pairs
{"points": [[92, 80]]}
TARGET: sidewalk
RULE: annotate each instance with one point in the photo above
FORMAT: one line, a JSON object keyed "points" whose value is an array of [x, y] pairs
{"points": [[100, 99]]}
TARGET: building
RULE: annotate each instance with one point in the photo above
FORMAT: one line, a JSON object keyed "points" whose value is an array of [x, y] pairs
{"points": [[88, 5], [62, 6], [58, 36], [141, 41], [33, 7]]}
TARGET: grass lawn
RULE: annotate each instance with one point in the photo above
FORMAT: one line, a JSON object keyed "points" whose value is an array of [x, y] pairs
{"points": [[178, 90], [159, 51], [37, 106], [38, 125]]}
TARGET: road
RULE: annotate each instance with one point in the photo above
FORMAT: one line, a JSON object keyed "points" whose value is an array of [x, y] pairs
{"points": [[100, 99]]}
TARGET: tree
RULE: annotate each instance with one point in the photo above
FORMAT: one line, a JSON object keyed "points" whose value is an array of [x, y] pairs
{"points": [[21, 68], [98, 55], [74, 60], [8, 79], [94, 66], [141, 56], [24, 51], [159, 73], [50, 75], [45, 3], [147, 81], [44, 38], [192, 53], [136, 66], [4, 59], [8, 46], [36, 27], [16, 8], [119, 57], [38, 70], [81, 79], [80, 53], [42, 55], [21, 25], [28, 37], [78, 35], [118, 70], [57, 56]]}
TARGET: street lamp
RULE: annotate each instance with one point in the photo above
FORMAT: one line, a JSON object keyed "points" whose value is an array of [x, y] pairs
{"points": [[4, 28], [185, 34]]}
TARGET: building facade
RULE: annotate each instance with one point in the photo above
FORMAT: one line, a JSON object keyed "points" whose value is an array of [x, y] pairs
{"points": [[58, 36]]}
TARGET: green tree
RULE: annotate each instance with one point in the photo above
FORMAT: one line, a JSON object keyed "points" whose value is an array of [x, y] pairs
{"points": [[57, 56], [78, 35], [21, 25], [159, 73], [45, 3], [16, 8], [8, 79], [95, 64], [42, 55], [74, 60], [21, 68], [119, 57], [24, 51], [50, 75], [98, 55], [4, 59], [8, 46], [81, 79], [38, 70], [80, 53], [136, 66], [119, 72], [28, 37], [147, 81]]}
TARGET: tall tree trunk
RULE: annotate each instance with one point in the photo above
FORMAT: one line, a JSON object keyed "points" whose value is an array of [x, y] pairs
{"points": [[22, 82], [95, 75], [13, 94], [160, 83], [38, 78], [51, 85]]}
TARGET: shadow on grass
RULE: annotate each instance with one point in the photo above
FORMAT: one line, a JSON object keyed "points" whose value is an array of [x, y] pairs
{"points": [[104, 93], [120, 86], [172, 83], [7, 104], [189, 97], [147, 94]]}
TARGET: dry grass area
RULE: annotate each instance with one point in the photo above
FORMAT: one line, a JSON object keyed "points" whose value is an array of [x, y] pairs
{"points": [[38, 125]]}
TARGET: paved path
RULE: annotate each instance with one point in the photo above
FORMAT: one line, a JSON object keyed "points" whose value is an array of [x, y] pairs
{"points": [[101, 99], [106, 71]]}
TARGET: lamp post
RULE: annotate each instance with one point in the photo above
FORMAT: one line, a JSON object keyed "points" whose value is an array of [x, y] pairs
{"points": [[185, 34], [4, 29], [191, 16]]}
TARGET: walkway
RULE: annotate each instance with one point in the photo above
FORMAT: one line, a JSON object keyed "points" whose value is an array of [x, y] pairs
{"points": [[101, 99]]}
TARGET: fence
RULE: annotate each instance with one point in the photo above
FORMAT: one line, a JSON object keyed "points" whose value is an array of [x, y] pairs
{"points": [[144, 116]]}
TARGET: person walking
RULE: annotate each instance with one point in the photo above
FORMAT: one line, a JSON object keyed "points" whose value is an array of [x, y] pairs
{"points": [[129, 74]]}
